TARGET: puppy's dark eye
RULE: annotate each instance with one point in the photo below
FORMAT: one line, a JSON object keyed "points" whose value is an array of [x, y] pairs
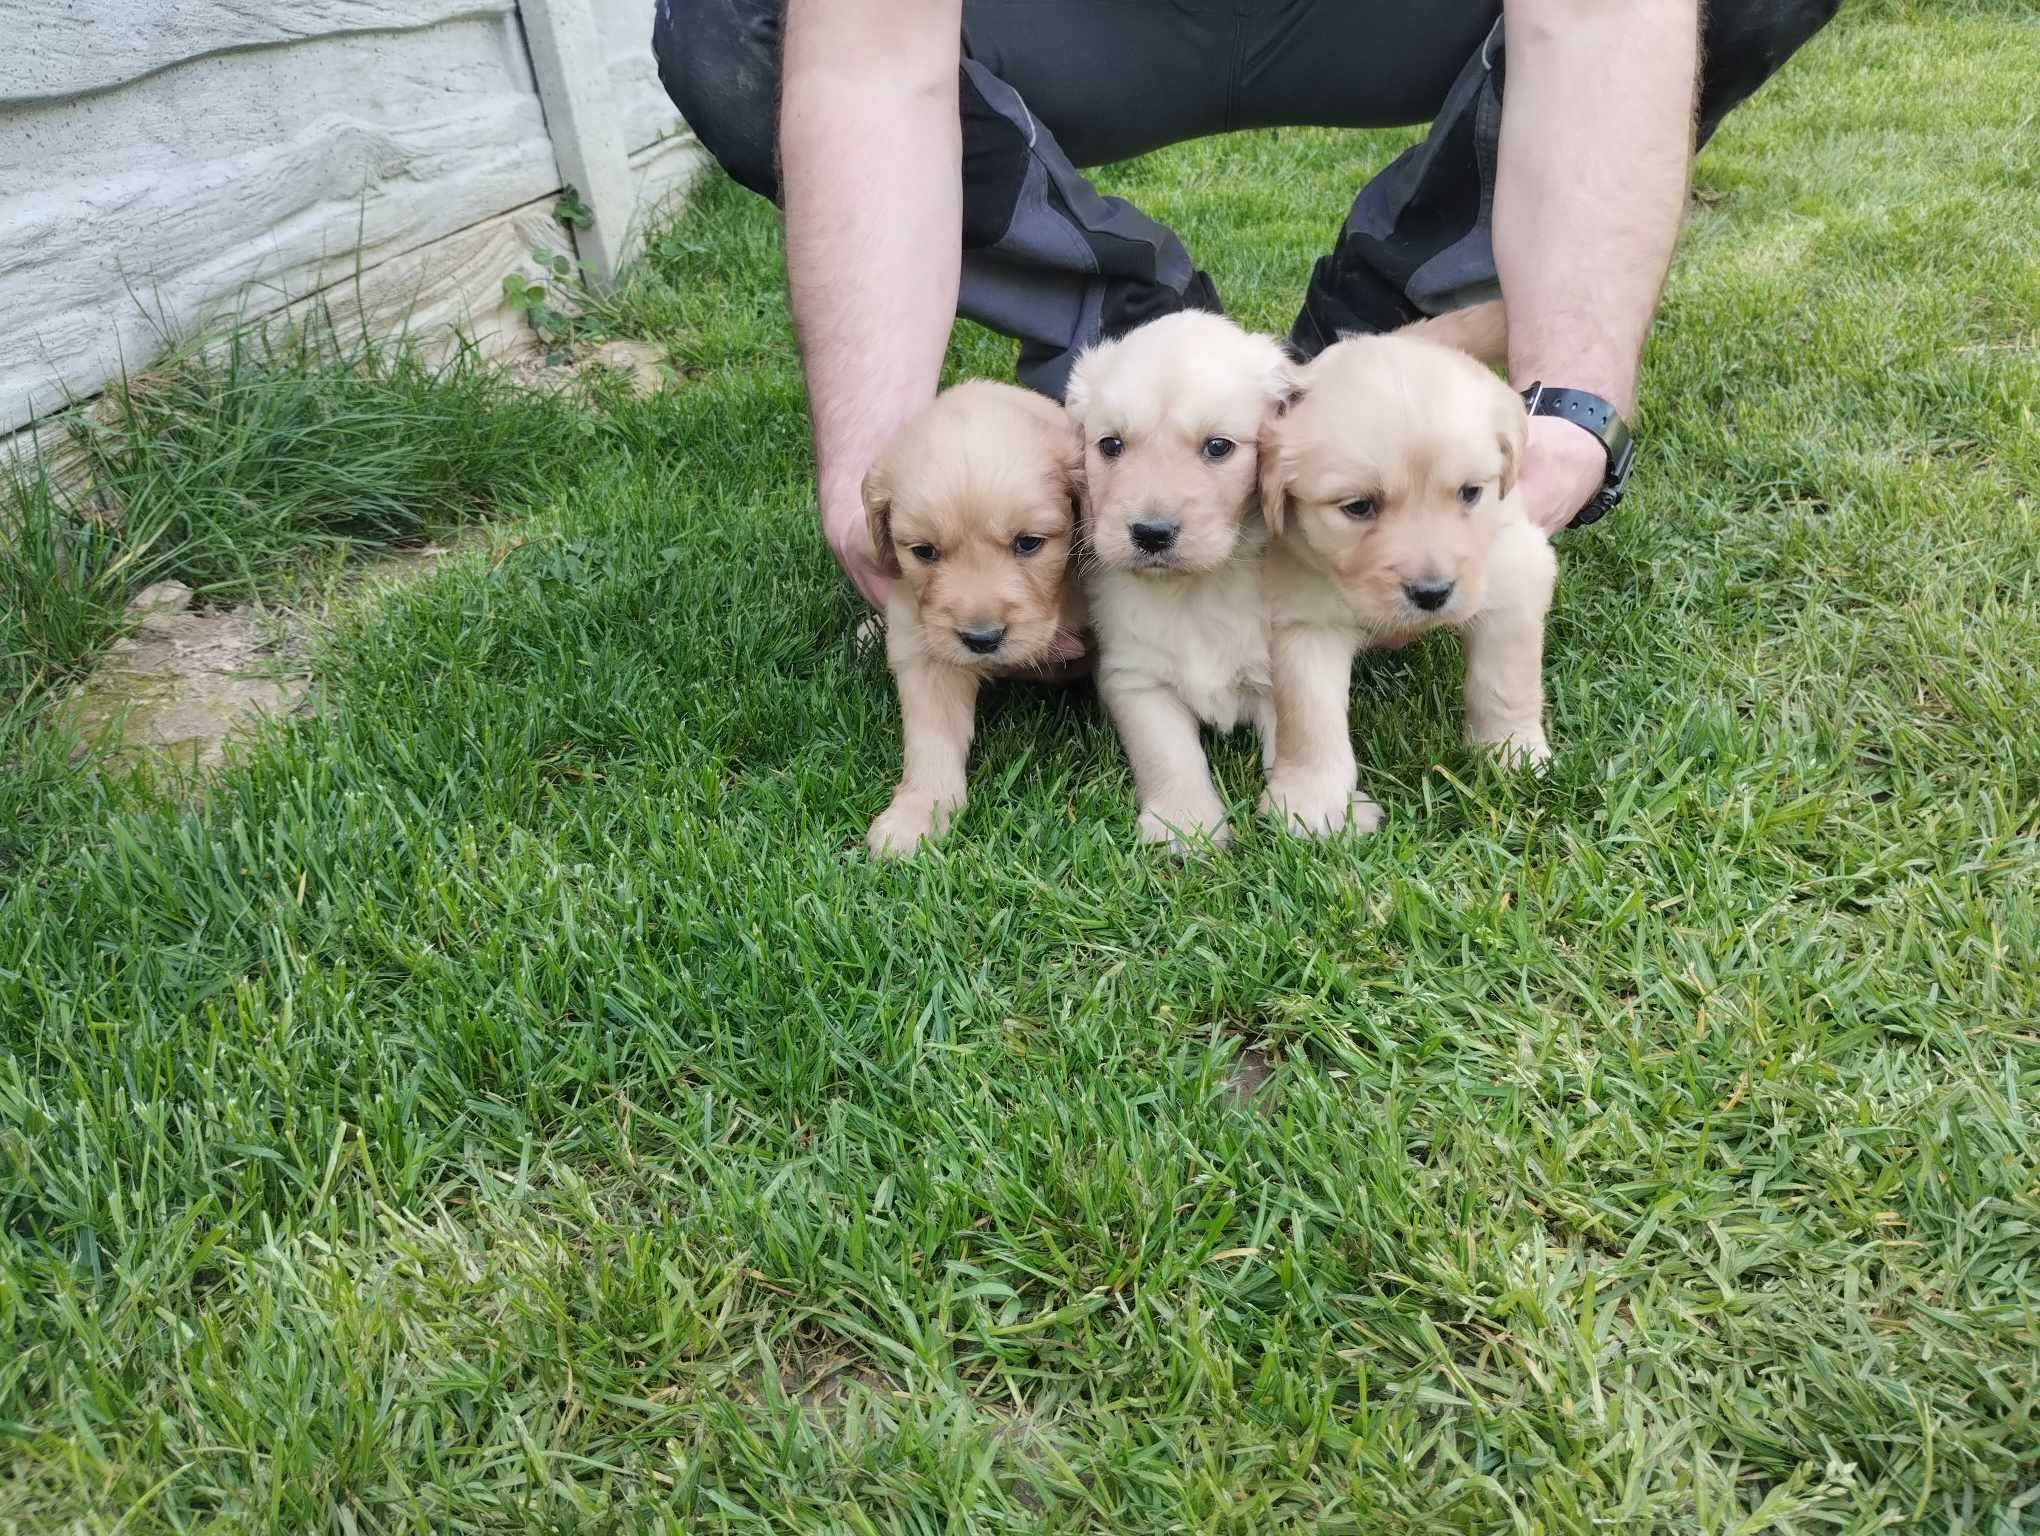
{"points": [[1110, 447], [1469, 494], [1027, 543], [1360, 509], [1218, 449], [927, 554]]}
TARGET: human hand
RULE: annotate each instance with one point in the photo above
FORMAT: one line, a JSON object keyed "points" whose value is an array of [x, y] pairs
{"points": [[849, 537], [1562, 469]]}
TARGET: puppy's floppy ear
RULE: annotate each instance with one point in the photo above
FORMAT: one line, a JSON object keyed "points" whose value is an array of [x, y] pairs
{"points": [[1281, 377], [1077, 390], [878, 516], [1274, 476], [1512, 429], [1285, 387], [1075, 481]]}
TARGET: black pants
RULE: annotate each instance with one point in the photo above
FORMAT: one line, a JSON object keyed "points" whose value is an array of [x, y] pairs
{"points": [[1050, 85]]}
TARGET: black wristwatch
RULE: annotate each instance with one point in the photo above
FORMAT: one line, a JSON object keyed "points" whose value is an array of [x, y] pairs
{"points": [[1606, 423]]}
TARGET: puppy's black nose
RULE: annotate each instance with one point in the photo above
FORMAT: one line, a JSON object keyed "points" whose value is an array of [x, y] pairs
{"points": [[1428, 595], [1153, 537], [984, 640]]}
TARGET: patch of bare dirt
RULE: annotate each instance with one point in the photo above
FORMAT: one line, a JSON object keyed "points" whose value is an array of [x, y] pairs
{"points": [[1251, 1070], [184, 680], [551, 370], [188, 678]]}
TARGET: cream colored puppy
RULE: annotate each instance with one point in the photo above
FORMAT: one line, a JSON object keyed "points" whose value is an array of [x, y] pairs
{"points": [[1171, 415], [1390, 480], [973, 508]]}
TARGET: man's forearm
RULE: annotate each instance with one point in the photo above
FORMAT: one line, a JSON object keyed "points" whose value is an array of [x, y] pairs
{"points": [[1597, 139], [871, 176]]}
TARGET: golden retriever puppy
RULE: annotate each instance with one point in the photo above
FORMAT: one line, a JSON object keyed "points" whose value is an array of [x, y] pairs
{"points": [[1390, 480], [973, 508], [1171, 415]]}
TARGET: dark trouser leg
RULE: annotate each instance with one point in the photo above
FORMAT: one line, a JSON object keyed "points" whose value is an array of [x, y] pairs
{"points": [[1046, 259], [1049, 261], [719, 63], [1419, 238]]}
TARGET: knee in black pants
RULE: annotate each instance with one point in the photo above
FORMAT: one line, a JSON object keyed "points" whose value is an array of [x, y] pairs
{"points": [[1743, 43], [1436, 198], [719, 62]]}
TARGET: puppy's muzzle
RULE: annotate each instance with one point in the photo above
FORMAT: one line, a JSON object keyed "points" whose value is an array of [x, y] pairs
{"points": [[1428, 595], [983, 639]]}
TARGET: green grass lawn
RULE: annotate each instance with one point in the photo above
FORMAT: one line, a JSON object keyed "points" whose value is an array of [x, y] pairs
{"points": [[511, 1101]]}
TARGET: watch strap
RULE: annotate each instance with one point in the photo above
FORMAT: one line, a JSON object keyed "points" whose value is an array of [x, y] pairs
{"points": [[1592, 414]]}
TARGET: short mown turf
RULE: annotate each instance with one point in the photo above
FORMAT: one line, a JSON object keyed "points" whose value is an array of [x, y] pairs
{"points": [[512, 1101]]}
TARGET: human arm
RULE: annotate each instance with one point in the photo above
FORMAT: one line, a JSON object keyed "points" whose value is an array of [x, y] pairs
{"points": [[871, 157], [1597, 141]]}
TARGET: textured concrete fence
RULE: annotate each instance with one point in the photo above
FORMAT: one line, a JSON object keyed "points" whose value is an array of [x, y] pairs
{"points": [[165, 164]]}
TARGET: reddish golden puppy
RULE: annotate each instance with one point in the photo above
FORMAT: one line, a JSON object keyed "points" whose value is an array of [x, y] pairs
{"points": [[973, 507]]}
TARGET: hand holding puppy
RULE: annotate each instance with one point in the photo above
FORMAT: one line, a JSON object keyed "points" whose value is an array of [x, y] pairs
{"points": [[1562, 469], [848, 533]]}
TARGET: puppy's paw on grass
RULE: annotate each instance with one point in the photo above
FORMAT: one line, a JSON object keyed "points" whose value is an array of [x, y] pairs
{"points": [[1363, 816], [906, 824], [1524, 751], [1184, 828], [1319, 808]]}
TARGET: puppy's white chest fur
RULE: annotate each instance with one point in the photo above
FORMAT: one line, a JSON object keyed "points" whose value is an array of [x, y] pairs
{"points": [[1204, 637]]}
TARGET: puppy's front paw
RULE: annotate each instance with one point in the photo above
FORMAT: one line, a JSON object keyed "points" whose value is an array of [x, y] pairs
{"points": [[1182, 825], [1523, 749], [1363, 816], [1319, 806], [903, 826]]}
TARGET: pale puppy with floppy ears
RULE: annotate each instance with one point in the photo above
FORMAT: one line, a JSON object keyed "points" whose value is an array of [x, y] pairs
{"points": [[973, 508], [1171, 415], [1390, 480]]}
